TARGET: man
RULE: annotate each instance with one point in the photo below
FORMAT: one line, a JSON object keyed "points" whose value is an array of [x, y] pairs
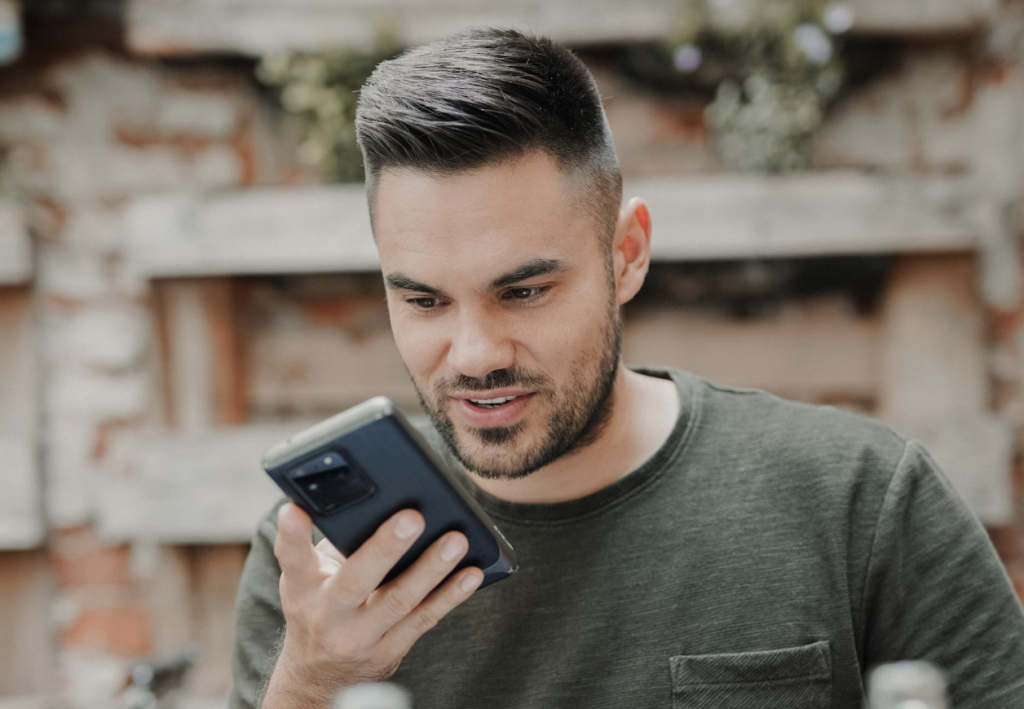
{"points": [[682, 544]]}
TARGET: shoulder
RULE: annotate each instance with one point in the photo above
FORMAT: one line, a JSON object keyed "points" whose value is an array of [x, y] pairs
{"points": [[748, 419], [772, 447]]}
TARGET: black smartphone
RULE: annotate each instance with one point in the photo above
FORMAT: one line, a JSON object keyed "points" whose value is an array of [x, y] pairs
{"points": [[353, 471]]}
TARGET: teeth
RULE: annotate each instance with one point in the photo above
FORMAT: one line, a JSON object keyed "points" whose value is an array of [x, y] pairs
{"points": [[492, 402]]}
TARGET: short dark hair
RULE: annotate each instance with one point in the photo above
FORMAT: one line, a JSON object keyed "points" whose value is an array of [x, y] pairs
{"points": [[486, 97]]}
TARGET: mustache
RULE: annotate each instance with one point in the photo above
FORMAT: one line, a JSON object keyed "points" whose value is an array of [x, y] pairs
{"points": [[494, 380]]}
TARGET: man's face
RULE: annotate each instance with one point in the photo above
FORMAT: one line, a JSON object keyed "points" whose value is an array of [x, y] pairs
{"points": [[503, 309]]}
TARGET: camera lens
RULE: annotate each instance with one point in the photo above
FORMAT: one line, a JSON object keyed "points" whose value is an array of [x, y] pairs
{"points": [[329, 484]]}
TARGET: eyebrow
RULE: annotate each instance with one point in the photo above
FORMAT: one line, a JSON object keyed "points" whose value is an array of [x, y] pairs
{"points": [[531, 269], [400, 281]]}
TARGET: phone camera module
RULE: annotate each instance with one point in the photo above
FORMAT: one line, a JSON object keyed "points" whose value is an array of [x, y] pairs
{"points": [[329, 483]]}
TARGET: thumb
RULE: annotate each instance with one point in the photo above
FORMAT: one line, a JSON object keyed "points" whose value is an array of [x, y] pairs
{"points": [[294, 544]]}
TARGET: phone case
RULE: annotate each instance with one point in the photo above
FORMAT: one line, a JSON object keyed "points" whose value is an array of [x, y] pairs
{"points": [[354, 470]]}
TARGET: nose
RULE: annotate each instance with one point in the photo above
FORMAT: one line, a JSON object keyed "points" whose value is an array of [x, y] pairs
{"points": [[480, 345]]}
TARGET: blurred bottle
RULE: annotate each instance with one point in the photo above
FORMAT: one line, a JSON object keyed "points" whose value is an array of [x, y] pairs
{"points": [[373, 696], [907, 685]]}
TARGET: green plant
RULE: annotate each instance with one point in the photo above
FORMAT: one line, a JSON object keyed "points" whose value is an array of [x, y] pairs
{"points": [[788, 68], [319, 92]]}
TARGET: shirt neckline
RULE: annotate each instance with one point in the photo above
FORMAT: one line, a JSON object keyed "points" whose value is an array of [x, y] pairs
{"points": [[652, 468]]}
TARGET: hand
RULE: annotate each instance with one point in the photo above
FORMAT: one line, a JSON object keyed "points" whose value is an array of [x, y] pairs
{"points": [[341, 629]]}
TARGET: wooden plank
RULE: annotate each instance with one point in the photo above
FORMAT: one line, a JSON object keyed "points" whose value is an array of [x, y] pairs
{"points": [[810, 353], [934, 364], [189, 365], [15, 246], [264, 230], [317, 368], [739, 216], [202, 355], [26, 663], [188, 488], [21, 518], [26, 702], [935, 379], [191, 597], [175, 27], [327, 229], [806, 355], [976, 453], [216, 570], [167, 572], [167, 27], [923, 17], [229, 398]]}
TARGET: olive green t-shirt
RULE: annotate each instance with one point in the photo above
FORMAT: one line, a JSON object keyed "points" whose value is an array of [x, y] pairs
{"points": [[766, 556]]}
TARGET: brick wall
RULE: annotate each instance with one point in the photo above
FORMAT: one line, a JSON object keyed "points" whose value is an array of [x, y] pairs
{"points": [[87, 128]]}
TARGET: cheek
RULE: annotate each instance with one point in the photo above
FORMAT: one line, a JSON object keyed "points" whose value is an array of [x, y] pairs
{"points": [[578, 327], [420, 346]]}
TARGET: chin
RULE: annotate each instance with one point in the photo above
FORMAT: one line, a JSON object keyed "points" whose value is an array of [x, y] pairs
{"points": [[496, 453]]}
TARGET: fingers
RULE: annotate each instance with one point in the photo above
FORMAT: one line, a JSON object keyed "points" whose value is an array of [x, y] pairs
{"points": [[397, 641], [293, 546], [338, 618], [367, 567], [409, 601], [330, 558], [330, 551], [401, 596]]}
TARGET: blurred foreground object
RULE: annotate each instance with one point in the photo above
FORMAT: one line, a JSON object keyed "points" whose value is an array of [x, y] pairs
{"points": [[373, 696], [907, 685], [157, 682], [10, 31]]}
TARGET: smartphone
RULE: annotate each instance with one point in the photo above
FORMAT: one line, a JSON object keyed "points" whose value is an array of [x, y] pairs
{"points": [[353, 471]]}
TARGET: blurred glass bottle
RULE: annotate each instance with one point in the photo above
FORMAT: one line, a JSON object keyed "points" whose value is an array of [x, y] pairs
{"points": [[373, 696], [907, 685]]}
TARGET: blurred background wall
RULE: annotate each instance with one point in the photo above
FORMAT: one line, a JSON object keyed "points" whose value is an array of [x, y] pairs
{"points": [[182, 283]]}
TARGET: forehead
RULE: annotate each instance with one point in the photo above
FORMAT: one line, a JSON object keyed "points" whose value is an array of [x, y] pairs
{"points": [[480, 221]]}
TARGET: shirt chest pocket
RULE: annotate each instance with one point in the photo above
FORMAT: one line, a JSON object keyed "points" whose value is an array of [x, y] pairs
{"points": [[789, 678]]}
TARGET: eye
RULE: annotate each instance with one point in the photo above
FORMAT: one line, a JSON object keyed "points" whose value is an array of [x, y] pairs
{"points": [[423, 303], [524, 294]]}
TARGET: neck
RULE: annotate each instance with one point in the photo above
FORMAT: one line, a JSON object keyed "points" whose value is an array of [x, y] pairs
{"points": [[644, 412]]}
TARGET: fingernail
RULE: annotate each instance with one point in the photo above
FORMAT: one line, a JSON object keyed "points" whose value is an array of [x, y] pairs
{"points": [[289, 523], [470, 582], [451, 550], [406, 527]]}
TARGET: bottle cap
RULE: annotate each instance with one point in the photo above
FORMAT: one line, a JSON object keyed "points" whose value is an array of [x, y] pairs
{"points": [[907, 685], [373, 696]]}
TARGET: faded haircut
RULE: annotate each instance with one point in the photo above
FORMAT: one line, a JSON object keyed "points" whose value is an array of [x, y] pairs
{"points": [[488, 97]]}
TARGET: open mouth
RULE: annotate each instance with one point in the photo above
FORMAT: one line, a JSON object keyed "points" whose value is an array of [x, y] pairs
{"points": [[491, 403], [490, 409]]}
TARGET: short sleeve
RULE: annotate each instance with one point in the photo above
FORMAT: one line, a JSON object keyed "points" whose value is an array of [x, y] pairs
{"points": [[259, 621], [937, 591]]}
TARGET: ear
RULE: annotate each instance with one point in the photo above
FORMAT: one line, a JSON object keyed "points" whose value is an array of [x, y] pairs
{"points": [[631, 249]]}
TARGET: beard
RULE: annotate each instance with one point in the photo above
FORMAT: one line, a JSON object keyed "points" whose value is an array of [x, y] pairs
{"points": [[580, 411]]}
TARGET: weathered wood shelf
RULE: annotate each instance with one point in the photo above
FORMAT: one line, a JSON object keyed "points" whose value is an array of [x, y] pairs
{"points": [[15, 246], [183, 488], [21, 519], [202, 483], [272, 230], [327, 229], [177, 27], [740, 216]]}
